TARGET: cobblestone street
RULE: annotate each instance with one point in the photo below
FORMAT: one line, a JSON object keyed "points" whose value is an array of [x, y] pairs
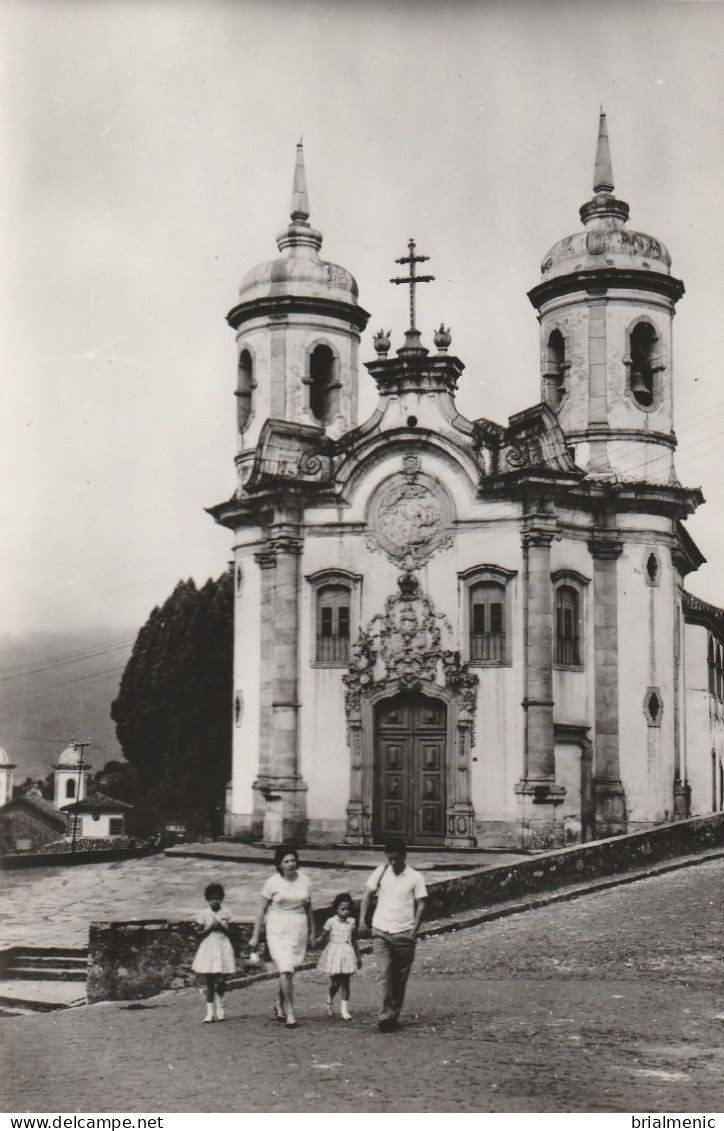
{"points": [[611, 1002]]}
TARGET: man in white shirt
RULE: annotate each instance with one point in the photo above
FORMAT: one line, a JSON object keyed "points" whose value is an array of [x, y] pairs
{"points": [[401, 895]]}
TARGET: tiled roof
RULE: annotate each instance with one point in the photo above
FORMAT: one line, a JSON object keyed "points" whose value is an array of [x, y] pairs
{"points": [[96, 803], [37, 805]]}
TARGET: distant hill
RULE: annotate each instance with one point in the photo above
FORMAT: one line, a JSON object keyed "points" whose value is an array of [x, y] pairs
{"points": [[58, 686]]}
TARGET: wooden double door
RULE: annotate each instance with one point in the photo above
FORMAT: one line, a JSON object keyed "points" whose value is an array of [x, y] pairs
{"points": [[409, 769]]}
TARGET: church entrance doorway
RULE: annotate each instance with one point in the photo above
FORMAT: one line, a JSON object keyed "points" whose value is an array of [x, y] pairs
{"points": [[410, 769]]}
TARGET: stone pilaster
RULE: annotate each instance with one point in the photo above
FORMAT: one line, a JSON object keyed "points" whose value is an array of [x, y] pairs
{"points": [[359, 818], [280, 783], [609, 799], [460, 816], [682, 790], [537, 789], [266, 561]]}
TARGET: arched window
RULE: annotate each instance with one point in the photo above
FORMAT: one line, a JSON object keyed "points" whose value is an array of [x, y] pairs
{"points": [[643, 364], [556, 367], [487, 622], [568, 620], [323, 387], [333, 624], [70, 788], [719, 673], [245, 386]]}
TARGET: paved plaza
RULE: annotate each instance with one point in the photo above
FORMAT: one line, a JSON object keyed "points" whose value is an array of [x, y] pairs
{"points": [[610, 1002], [53, 906]]}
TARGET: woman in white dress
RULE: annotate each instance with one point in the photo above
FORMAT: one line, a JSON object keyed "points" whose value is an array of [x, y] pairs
{"points": [[286, 904]]}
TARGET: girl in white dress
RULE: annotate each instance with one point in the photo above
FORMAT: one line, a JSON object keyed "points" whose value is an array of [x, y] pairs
{"points": [[286, 904], [341, 956], [215, 955]]}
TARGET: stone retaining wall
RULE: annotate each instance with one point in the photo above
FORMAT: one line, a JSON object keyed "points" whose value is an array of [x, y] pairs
{"points": [[549, 870], [136, 960]]}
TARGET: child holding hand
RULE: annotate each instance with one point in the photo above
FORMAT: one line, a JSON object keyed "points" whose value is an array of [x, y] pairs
{"points": [[341, 956]]}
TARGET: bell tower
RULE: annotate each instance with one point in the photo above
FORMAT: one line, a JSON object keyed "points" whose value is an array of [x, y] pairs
{"points": [[298, 328], [606, 306]]}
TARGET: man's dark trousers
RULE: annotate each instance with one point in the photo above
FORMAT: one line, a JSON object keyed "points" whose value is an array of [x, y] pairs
{"points": [[394, 955]]}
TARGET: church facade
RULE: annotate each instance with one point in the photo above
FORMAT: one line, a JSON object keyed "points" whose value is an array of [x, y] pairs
{"points": [[457, 631]]}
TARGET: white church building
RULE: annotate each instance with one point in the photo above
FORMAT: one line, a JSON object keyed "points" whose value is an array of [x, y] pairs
{"points": [[459, 631]]}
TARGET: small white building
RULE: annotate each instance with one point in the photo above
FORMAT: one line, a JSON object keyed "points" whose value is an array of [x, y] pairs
{"points": [[96, 817]]}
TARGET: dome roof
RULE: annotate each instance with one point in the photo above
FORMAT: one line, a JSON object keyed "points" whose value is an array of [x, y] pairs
{"points": [[69, 757], [609, 246], [5, 758], [305, 276], [605, 242], [299, 271]]}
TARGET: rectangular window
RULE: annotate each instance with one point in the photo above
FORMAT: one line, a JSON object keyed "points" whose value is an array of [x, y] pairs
{"points": [[115, 826], [496, 619], [75, 826], [567, 648], [487, 623], [478, 620], [326, 621], [333, 624], [343, 623]]}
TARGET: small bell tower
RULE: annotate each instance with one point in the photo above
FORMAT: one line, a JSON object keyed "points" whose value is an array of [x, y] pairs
{"points": [[71, 775], [298, 326], [606, 307]]}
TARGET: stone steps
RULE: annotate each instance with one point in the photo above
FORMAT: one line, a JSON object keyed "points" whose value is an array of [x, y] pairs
{"points": [[39, 973], [48, 964]]}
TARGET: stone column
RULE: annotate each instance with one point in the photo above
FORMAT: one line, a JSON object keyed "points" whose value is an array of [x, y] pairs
{"points": [[537, 789], [682, 790], [609, 800], [266, 561], [280, 782]]}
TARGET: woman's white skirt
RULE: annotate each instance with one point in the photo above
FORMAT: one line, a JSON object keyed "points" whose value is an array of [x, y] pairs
{"points": [[286, 937]]}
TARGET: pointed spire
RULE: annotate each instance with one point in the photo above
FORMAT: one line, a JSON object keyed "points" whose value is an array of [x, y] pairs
{"points": [[300, 201], [299, 238], [603, 172]]}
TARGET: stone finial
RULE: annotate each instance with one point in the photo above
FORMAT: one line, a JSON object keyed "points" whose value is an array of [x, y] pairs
{"points": [[299, 211], [382, 342], [603, 170], [442, 338]]}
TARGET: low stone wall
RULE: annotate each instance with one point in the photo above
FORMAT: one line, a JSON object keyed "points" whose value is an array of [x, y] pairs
{"points": [[139, 959], [136, 960], [550, 870], [69, 859]]}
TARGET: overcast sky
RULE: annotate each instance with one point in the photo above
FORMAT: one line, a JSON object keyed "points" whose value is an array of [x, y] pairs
{"points": [[147, 155]]}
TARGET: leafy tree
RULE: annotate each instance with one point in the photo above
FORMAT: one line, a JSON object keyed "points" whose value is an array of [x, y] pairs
{"points": [[174, 706]]}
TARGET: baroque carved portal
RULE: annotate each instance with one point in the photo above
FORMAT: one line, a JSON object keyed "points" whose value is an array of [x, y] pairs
{"points": [[404, 649]]}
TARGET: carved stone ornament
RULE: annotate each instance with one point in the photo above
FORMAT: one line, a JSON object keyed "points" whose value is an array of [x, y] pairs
{"points": [[410, 517], [404, 646]]}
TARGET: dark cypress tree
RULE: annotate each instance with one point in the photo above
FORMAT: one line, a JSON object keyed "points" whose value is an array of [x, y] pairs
{"points": [[173, 713]]}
